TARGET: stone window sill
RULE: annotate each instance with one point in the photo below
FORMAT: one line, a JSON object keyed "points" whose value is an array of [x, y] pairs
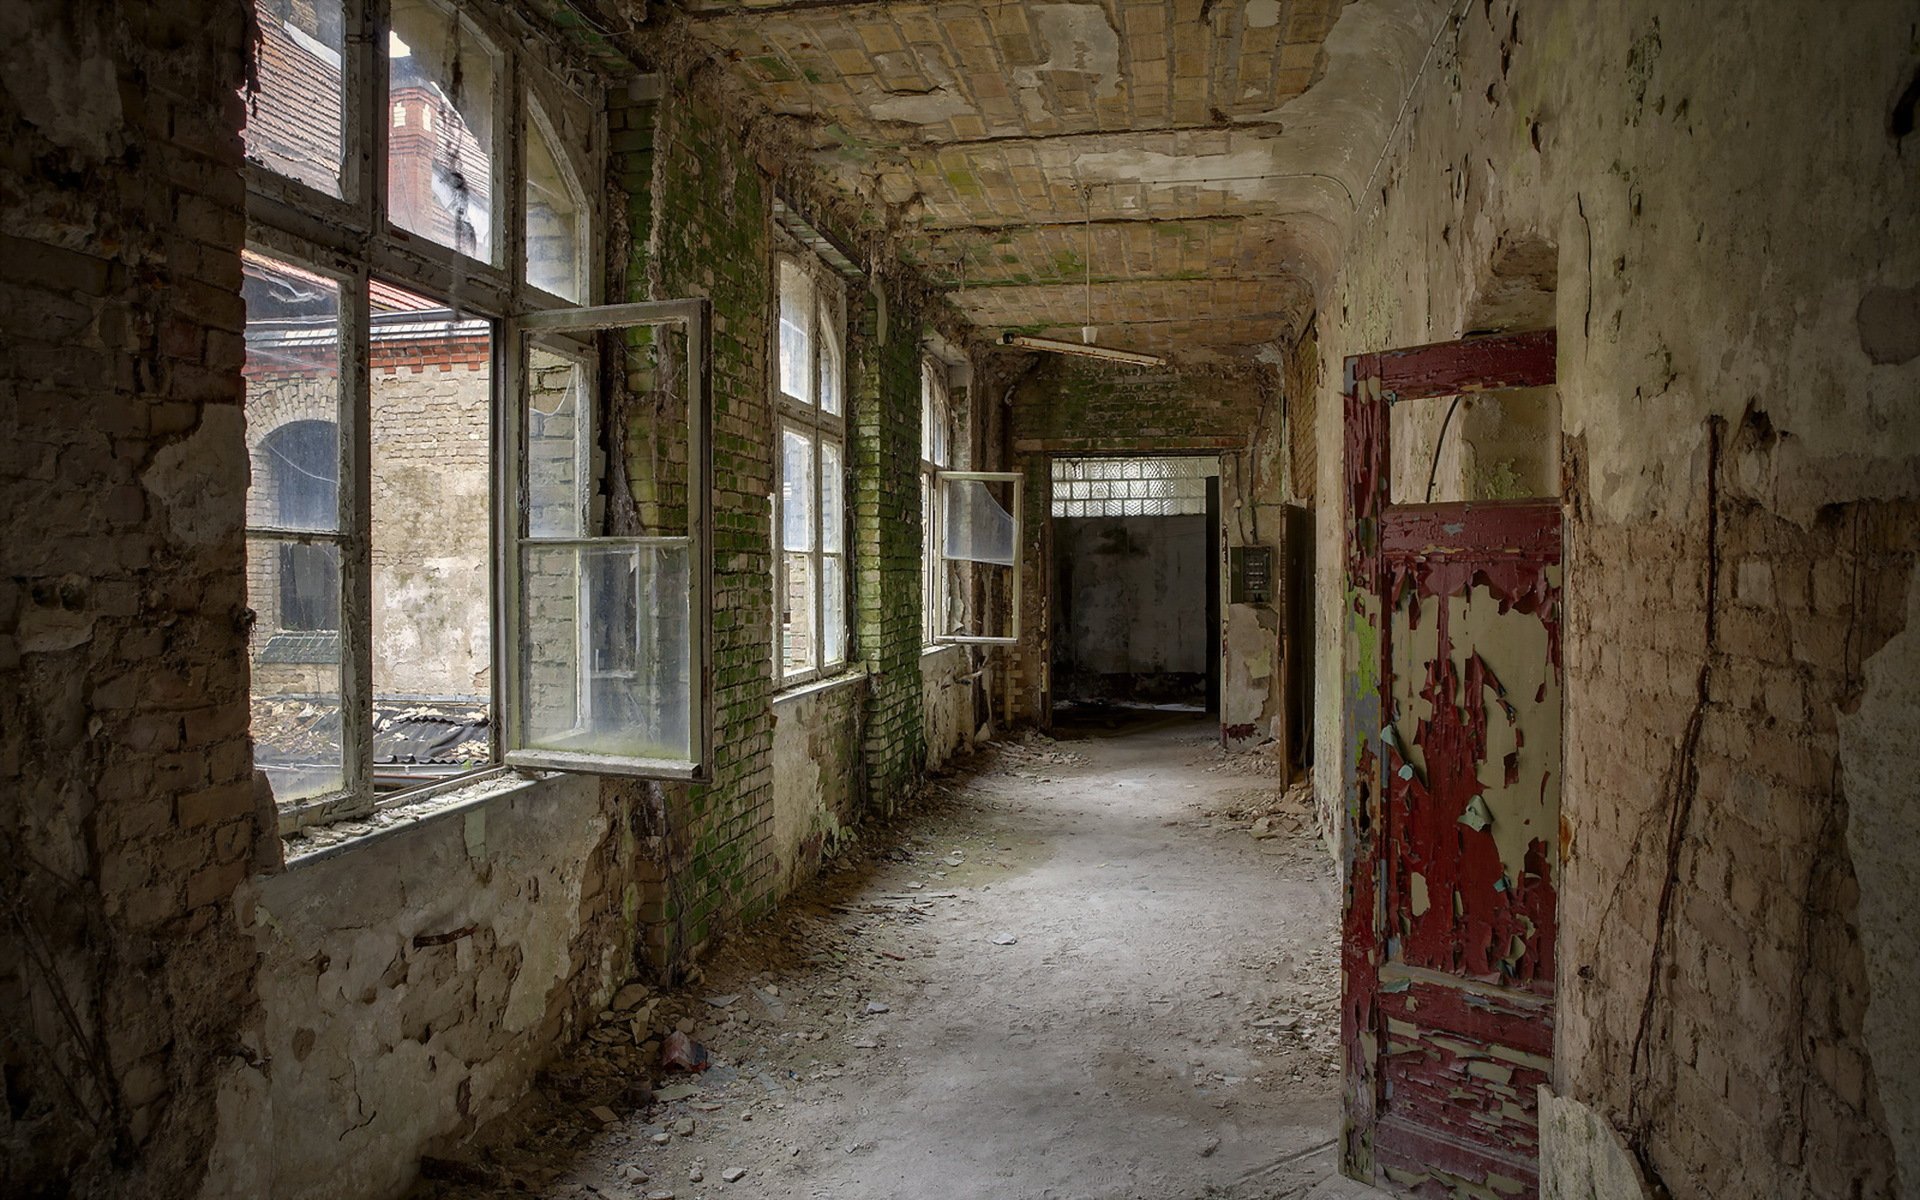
{"points": [[318, 843]]}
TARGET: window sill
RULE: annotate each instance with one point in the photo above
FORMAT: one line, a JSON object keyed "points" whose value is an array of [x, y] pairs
{"points": [[814, 687], [320, 842], [927, 652]]}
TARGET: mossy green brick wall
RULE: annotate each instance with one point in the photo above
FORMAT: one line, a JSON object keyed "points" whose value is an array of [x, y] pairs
{"points": [[887, 532], [699, 213], [1071, 405]]}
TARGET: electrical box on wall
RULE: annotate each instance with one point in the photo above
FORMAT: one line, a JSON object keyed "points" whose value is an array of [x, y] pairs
{"points": [[1250, 575]]}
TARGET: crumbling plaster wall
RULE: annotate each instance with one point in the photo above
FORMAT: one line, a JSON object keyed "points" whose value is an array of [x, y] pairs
{"points": [[412, 983], [949, 684], [819, 776], [1732, 202]]}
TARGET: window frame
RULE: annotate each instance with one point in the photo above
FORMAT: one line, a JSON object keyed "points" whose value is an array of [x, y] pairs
{"points": [[559, 325], [826, 306], [936, 416], [1017, 510], [351, 240]]}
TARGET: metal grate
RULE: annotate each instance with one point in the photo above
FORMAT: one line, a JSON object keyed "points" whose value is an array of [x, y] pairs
{"points": [[1131, 487]]}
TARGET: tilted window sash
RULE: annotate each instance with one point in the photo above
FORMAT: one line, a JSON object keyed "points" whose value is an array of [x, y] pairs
{"points": [[607, 663]]}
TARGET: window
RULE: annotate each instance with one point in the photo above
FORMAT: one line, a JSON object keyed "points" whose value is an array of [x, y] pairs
{"points": [[415, 620], [810, 504], [443, 83], [296, 121], [556, 216], [295, 530], [936, 442], [1131, 487]]}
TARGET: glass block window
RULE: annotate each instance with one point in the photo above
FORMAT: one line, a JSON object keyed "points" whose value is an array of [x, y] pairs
{"points": [[1131, 487]]}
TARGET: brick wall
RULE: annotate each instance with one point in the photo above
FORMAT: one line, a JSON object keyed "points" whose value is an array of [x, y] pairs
{"points": [[123, 694], [1079, 406], [887, 542]]}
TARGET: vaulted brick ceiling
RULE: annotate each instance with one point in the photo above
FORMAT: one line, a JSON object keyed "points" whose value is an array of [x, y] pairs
{"points": [[1198, 159]]}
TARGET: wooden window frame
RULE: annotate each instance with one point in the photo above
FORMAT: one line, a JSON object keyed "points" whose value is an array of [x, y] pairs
{"points": [[826, 308]]}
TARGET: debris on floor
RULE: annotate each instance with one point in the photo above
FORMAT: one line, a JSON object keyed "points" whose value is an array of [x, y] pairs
{"points": [[1153, 984]]}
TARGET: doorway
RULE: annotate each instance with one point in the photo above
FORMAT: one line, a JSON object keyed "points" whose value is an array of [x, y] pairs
{"points": [[1135, 618]]}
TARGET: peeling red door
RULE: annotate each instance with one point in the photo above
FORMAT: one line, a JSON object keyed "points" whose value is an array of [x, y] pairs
{"points": [[1452, 799]]}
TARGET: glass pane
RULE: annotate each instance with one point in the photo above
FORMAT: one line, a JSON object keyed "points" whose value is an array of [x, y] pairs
{"points": [[796, 491], [829, 367], [978, 521], [431, 405], [294, 124], [558, 476], [294, 649], [554, 208], [293, 395], [797, 625], [796, 305], [442, 84], [833, 499], [605, 644], [833, 609]]}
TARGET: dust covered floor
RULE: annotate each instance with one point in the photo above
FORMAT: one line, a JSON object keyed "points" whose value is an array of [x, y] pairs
{"points": [[1096, 967]]}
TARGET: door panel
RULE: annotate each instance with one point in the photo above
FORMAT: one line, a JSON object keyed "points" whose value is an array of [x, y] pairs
{"points": [[1453, 806]]}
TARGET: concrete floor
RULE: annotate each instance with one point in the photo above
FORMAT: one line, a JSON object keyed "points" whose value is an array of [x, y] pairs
{"points": [[1160, 1021]]}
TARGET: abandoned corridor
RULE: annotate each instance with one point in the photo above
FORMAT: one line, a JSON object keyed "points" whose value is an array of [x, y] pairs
{"points": [[1099, 967]]}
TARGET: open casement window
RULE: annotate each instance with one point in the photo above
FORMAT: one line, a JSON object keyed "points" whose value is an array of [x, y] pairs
{"points": [[977, 528], [936, 455], [608, 569]]}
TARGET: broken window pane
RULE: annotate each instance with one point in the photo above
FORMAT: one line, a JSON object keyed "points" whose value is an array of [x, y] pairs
{"points": [[430, 379], [293, 400], [294, 122], [555, 219], [442, 88], [976, 575]]}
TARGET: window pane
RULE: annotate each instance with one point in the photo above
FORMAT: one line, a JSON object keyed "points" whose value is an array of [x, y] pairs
{"points": [[554, 209], [442, 85], [796, 491], [829, 368], [796, 306], [294, 123], [558, 441], [293, 397], [797, 624], [832, 499], [604, 653], [295, 656], [431, 393], [833, 609]]}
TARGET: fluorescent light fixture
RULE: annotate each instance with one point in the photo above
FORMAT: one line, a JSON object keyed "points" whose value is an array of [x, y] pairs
{"points": [[1056, 346]]}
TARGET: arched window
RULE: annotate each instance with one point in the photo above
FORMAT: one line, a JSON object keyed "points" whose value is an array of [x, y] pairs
{"points": [[302, 460], [556, 215]]}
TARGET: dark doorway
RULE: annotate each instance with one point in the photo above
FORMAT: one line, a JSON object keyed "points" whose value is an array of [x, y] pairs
{"points": [[1135, 609]]}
